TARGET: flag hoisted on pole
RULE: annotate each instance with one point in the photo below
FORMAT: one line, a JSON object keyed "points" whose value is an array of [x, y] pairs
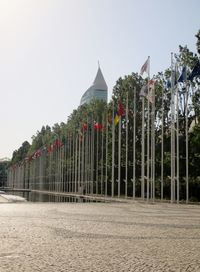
{"points": [[126, 171], [134, 142], [172, 133], [162, 144], [120, 113], [113, 153], [145, 69], [177, 144], [152, 100], [195, 71]]}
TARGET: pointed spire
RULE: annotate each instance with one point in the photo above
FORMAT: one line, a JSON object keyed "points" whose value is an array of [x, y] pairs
{"points": [[99, 81]]}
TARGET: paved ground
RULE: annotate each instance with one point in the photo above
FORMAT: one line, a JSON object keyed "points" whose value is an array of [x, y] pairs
{"points": [[88, 237]]}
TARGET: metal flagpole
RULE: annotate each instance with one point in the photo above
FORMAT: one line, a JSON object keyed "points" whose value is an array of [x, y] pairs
{"points": [[177, 144], [64, 164], [148, 135], [97, 159], [153, 142], [119, 156], [162, 144], [92, 156], [106, 162], [89, 159], [76, 172], [70, 166], [126, 176], [82, 164], [186, 140], [172, 133], [113, 152], [79, 161], [102, 155], [134, 135], [86, 159], [143, 150]]}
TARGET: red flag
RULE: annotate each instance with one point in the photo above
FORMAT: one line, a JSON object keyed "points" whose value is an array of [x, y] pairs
{"points": [[121, 110], [84, 127], [57, 143], [98, 126]]}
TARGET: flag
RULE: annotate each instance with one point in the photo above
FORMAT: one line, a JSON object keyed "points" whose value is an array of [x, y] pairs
{"points": [[98, 126], [175, 75], [168, 84], [195, 71], [150, 96], [145, 67], [121, 110], [116, 119], [183, 75], [57, 143], [151, 89], [84, 127], [151, 84], [144, 91]]}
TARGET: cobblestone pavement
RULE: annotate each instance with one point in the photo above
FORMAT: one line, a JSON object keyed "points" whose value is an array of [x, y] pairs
{"points": [[99, 237]]}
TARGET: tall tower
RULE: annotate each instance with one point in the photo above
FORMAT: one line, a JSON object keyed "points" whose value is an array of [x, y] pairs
{"points": [[98, 90]]}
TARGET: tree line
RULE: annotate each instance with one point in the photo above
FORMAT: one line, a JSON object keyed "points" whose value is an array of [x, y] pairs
{"points": [[99, 117]]}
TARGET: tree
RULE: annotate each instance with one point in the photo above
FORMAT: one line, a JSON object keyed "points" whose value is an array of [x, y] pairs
{"points": [[198, 41]]}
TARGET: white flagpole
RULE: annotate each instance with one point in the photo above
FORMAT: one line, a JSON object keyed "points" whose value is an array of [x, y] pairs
{"points": [[172, 133], [148, 135], [126, 177], [102, 154], [186, 140], [86, 160], [79, 162], [119, 155], [162, 144], [92, 156], [177, 144], [70, 162], [106, 164], [113, 152], [97, 159], [82, 164], [76, 166], [143, 150], [134, 135], [153, 143]]}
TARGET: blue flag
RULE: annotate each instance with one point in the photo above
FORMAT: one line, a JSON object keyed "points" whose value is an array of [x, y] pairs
{"points": [[195, 72], [168, 84], [183, 75]]}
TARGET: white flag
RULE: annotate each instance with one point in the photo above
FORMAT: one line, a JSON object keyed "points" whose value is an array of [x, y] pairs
{"points": [[145, 67]]}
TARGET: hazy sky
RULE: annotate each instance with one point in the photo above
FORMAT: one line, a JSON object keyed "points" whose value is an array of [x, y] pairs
{"points": [[49, 52]]}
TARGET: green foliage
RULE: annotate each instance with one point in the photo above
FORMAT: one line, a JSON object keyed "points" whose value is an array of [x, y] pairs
{"points": [[3, 173], [21, 153], [198, 41]]}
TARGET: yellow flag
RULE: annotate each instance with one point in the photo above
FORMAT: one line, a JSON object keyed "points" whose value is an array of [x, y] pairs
{"points": [[116, 120]]}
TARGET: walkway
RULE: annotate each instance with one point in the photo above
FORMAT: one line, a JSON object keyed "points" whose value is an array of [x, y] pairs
{"points": [[96, 237]]}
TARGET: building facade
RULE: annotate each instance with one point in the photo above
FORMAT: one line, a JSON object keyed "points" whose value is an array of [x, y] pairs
{"points": [[98, 90]]}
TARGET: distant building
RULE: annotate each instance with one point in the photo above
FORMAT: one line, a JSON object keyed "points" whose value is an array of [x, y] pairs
{"points": [[98, 90]]}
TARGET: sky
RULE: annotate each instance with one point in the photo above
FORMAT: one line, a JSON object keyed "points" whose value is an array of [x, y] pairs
{"points": [[49, 53]]}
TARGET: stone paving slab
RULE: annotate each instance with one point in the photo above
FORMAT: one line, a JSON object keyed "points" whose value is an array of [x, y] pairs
{"points": [[99, 237]]}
